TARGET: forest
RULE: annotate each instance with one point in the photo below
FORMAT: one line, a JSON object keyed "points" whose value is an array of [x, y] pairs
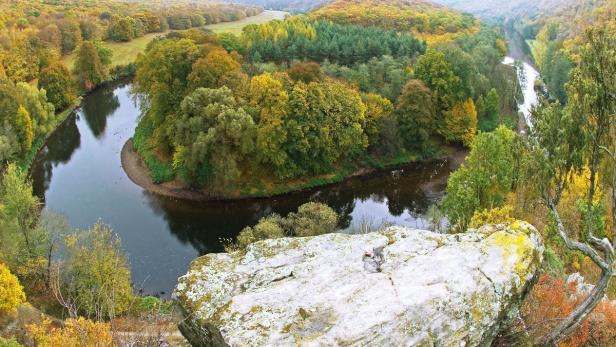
{"points": [[295, 105], [378, 96]]}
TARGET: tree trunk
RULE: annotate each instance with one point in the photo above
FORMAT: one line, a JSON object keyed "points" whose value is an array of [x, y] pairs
{"points": [[580, 313]]}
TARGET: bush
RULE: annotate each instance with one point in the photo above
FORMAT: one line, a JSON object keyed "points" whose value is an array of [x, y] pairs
{"points": [[97, 273], [76, 332], [311, 219], [11, 292]]}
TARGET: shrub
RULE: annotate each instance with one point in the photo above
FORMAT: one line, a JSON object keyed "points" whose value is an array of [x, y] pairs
{"points": [[311, 219], [11, 292], [76, 332]]}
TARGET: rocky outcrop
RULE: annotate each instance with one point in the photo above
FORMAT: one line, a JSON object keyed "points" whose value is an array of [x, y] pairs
{"points": [[397, 287]]}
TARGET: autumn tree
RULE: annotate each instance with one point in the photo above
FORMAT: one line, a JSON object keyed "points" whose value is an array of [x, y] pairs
{"points": [[58, 83], [270, 97], [51, 35], [416, 114], [25, 130], [378, 110], [89, 70], [437, 74], [305, 72], [566, 140], [11, 292], [461, 123], [97, 275], [162, 75], [71, 35], [207, 72], [210, 137], [483, 181], [21, 240]]}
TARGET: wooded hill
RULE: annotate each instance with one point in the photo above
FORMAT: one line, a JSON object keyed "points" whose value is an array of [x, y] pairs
{"points": [[425, 19]]}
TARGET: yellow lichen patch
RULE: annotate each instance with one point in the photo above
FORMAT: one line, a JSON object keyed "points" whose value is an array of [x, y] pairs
{"points": [[517, 248]]}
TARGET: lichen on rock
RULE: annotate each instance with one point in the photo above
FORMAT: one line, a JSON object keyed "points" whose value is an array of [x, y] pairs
{"points": [[399, 287]]}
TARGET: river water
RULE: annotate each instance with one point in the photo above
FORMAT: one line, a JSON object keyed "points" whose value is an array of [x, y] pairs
{"points": [[79, 174]]}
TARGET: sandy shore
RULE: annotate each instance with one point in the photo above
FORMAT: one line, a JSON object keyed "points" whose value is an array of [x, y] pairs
{"points": [[136, 170]]}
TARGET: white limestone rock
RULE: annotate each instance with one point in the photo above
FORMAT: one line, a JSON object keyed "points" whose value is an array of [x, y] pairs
{"points": [[398, 287]]}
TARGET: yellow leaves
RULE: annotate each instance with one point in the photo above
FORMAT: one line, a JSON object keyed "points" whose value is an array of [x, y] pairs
{"points": [[461, 123], [493, 216], [429, 22], [11, 292], [25, 128], [75, 333]]}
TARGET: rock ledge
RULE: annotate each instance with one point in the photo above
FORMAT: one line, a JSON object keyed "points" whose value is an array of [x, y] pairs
{"points": [[397, 287]]}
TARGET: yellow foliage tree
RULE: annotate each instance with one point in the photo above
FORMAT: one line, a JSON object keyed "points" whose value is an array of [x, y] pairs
{"points": [[493, 216], [76, 332], [461, 123], [25, 129], [11, 292]]}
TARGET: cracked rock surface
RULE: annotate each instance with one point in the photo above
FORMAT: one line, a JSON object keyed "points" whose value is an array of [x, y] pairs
{"points": [[397, 287]]}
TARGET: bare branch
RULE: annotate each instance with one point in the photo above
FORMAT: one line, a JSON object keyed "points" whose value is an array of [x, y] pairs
{"points": [[576, 245]]}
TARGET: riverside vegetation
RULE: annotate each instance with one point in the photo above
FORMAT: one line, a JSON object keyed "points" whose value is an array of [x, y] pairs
{"points": [[300, 103]]}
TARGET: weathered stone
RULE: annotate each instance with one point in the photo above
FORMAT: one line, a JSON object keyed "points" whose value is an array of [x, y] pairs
{"points": [[398, 287]]}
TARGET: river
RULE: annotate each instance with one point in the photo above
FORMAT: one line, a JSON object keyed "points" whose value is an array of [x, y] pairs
{"points": [[79, 174]]}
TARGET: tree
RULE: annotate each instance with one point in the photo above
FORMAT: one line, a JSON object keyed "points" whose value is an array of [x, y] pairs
{"points": [[490, 105], [210, 137], [23, 123], [51, 35], [416, 115], [11, 292], [41, 112], [483, 181], [461, 123], [22, 241], [122, 30], [89, 69], [57, 81], [71, 35], [306, 72], [584, 138], [378, 108], [437, 74], [270, 97], [162, 75], [97, 274], [207, 72]]}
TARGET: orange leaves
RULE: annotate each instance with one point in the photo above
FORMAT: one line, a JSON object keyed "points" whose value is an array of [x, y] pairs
{"points": [[552, 299]]}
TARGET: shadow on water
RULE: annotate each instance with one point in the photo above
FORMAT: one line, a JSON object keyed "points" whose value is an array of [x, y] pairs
{"points": [[79, 174]]}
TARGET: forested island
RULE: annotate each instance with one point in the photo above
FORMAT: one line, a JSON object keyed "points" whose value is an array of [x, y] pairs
{"points": [[290, 159]]}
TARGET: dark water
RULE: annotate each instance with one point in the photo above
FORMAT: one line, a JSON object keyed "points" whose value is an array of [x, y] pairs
{"points": [[79, 174]]}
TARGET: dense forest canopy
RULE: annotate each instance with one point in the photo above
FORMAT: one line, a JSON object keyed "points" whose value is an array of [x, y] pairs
{"points": [[37, 36], [425, 19], [313, 97]]}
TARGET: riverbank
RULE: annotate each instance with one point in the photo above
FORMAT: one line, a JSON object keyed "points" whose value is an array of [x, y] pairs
{"points": [[138, 172], [40, 142]]}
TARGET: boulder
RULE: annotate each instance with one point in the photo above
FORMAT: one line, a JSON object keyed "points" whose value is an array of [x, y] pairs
{"points": [[397, 287]]}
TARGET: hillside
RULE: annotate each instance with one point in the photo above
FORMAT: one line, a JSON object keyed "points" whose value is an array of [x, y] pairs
{"points": [[513, 8], [427, 20], [293, 6]]}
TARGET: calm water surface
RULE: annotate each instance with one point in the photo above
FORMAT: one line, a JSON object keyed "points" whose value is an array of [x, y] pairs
{"points": [[79, 174]]}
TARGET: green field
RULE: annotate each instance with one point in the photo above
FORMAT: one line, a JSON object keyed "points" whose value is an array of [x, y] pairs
{"points": [[126, 52], [237, 26]]}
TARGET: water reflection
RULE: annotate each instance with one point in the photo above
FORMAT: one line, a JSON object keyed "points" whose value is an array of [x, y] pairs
{"points": [[79, 174], [96, 113]]}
